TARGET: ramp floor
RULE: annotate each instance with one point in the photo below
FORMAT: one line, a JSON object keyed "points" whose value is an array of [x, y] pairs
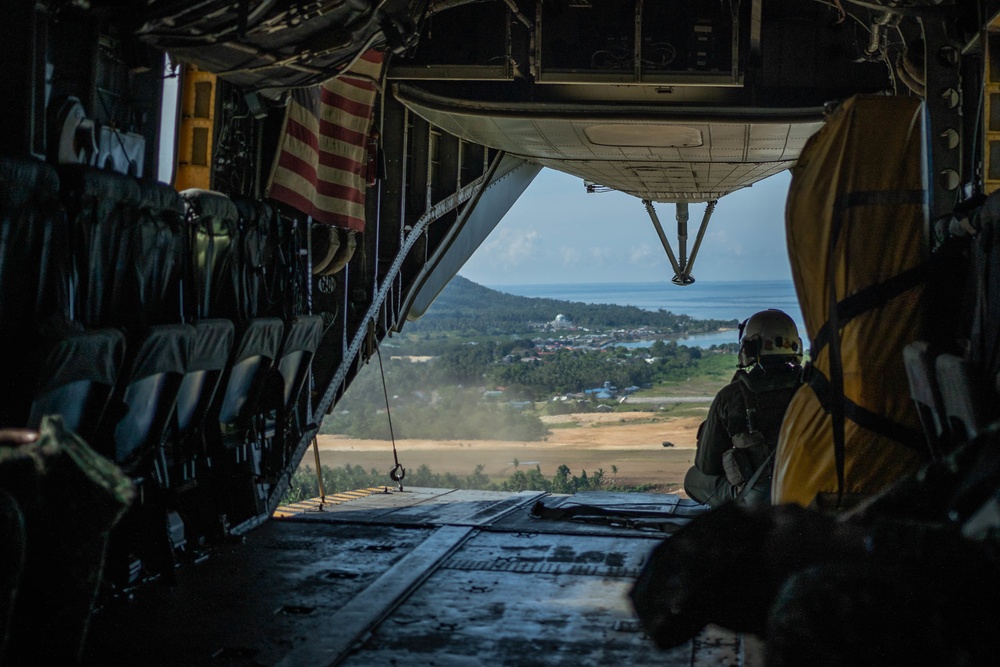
{"points": [[420, 577]]}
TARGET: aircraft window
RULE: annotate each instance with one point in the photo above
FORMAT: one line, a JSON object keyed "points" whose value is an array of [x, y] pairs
{"points": [[203, 99], [199, 146]]}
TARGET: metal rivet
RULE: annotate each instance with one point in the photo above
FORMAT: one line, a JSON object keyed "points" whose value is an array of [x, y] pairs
{"points": [[950, 98], [949, 138], [948, 178]]}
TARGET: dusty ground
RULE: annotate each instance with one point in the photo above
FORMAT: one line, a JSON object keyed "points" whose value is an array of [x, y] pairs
{"points": [[630, 441]]}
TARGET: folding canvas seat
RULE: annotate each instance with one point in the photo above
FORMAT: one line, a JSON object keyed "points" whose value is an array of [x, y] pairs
{"points": [[101, 206], [924, 390], [302, 337], [76, 379], [145, 394], [969, 403], [209, 354], [214, 219], [255, 350]]}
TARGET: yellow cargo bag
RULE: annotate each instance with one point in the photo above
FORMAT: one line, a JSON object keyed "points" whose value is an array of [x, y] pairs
{"points": [[854, 225]]}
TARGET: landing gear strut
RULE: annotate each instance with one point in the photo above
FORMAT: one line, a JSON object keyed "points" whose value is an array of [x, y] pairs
{"points": [[683, 265]]}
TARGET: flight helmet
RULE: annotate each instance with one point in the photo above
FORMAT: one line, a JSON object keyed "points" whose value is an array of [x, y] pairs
{"points": [[769, 335]]}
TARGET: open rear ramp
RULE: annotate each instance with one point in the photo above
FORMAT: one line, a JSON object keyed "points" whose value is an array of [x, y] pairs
{"points": [[420, 577]]}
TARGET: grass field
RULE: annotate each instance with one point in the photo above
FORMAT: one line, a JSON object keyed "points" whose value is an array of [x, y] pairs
{"points": [[629, 439]]}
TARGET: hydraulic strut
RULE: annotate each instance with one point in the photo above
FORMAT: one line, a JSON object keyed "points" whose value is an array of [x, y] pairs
{"points": [[683, 265]]}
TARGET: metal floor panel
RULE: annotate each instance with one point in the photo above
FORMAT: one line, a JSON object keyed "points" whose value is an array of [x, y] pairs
{"points": [[426, 577]]}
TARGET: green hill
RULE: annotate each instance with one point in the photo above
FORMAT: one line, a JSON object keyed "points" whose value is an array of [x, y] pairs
{"points": [[466, 307]]}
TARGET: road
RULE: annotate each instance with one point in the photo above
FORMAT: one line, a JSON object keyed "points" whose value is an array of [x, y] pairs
{"points": [[663, 400]]}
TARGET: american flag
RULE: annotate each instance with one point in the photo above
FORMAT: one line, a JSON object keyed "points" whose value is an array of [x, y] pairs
{"points": [[320, 168]]}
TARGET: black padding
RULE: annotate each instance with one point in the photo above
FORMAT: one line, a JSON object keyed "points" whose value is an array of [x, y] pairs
{"points": [[256, 349], [95, 356], [212, 345], [76, 379], [101, 206], [148, 388], [25, 180], [259, 337], [165, 349], [302, 337], [215, 219], [156, 259], [210, 351], [214, 206], [303, 333], [160, 198]]}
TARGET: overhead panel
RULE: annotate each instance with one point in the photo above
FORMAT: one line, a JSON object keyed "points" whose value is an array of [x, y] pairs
{"points": [[651, 152], [692, 43]]}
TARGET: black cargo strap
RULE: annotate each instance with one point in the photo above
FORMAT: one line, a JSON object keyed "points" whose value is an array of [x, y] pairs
{"points": [[835, 402], [863, 417], [753, 479], [642, 519], [870, 298]]}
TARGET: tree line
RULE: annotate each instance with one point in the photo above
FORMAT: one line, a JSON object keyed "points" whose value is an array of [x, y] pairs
{"points": [[469, 308]]}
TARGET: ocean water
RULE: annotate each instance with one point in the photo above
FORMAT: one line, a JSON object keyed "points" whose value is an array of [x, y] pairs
{"points": [[724, 300]]}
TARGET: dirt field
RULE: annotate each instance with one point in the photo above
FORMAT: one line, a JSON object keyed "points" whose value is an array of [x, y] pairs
{"points": [[630, 441]]}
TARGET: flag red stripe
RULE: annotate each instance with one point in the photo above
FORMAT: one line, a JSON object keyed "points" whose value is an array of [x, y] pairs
{"points": [[295, 200], [346, 104], [325, 188], [294, 129]]}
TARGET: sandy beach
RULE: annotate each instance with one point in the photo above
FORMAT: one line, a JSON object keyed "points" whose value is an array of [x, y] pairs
{"points": [[630, 441]]}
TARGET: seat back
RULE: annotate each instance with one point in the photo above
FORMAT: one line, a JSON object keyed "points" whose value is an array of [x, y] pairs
{"points": [[256, 348], [147, 390], [214, 218], [210, 351], [35, 274], [76, 380], [969, 404], [926, 395], [101, 207], [302, 337], [156, 258]]}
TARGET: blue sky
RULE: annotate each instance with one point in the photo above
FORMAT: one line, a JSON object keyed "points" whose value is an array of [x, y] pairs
{"points": [[559, 233]]}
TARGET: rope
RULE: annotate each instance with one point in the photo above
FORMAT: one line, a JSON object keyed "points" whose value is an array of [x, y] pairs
{"points": [[398, 472], [319, 473]]}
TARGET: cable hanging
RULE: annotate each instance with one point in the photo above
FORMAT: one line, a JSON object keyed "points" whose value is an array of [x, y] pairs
{"points": [[398, 472]]}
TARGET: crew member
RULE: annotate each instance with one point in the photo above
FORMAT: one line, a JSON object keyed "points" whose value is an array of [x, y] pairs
{"points": [[737, 440]]}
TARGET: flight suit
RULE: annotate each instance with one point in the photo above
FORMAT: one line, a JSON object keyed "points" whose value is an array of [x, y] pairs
{"points": [[766, 392]]}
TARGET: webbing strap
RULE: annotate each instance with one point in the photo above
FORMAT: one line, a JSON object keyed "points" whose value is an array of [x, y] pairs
{"points": [[871, 297], [836, 403], [863, 417], [753, 479]]}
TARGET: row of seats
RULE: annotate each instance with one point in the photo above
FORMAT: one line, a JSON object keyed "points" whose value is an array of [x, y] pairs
{"points": [[191, 388], [97, 270]]}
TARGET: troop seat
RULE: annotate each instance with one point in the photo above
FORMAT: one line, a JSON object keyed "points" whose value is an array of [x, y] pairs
{"points": [[302, 338], [209, 354], [969, 404], [101, 207], [156, 247], [214, 218], [926, 395], [146, 393], [34, 275], [255, 350], [76, 380], [33, 244]]}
